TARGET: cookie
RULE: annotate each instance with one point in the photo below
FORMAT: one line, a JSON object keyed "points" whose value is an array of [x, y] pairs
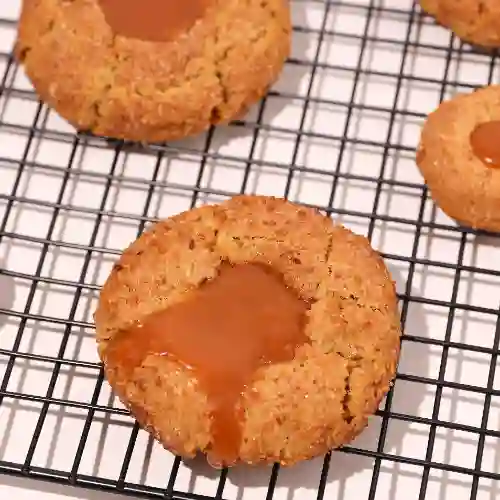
{"points": [[152, 70], [474, 21], [255, 330], [459, 158]]}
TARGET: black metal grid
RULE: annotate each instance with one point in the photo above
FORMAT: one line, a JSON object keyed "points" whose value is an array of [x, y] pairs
{"points": [[105, 214]]}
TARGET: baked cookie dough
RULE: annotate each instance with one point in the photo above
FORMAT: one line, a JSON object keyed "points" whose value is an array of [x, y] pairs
{"points": [[255, 330], [459, 158], [474, 21], [152, 70]]}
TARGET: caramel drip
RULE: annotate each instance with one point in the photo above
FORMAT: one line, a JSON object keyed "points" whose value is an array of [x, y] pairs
{"points": [[229, 327]]}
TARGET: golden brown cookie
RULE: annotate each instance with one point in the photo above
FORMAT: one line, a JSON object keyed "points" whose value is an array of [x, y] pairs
{"points": [[257, 317], [152, 70], [474, 21], [459, 157]]}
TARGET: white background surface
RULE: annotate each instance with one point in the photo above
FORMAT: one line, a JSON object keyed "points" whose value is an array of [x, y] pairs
{"points": [[326, 146]]}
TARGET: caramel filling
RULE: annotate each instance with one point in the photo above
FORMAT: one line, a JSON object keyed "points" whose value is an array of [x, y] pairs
{"points": [[229, 327], [152, 20], [485, 143]]}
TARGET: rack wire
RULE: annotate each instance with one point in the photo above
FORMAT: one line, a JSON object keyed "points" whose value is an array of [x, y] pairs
{"points": [[338, 132]]}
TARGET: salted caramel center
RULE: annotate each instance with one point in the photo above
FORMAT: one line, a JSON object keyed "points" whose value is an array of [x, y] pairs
{"points": [[152, 20], [485, 143], [229, 327]]}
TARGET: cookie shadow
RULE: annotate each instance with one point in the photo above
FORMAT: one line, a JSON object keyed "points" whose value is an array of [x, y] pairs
{"points": [[352, 459], [487, 240], [7, 294], [262, 116]]}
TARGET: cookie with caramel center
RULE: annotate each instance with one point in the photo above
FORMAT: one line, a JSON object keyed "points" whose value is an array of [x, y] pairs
{"points": [[474, 21], [459, 158], [152, 70], [255, 330]]}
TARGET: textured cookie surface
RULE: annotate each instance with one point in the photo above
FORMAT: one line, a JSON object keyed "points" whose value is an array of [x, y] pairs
{"points": [[474, 21], [129, 88], [462, 185], [294, 410]]}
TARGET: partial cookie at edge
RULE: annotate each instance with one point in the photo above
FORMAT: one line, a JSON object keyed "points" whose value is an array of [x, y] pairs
{"points": [[145, 91], [460, 184]]}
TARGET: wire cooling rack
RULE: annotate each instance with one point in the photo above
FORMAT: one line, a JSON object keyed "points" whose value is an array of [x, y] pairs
{"points": [[338, 131]]}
